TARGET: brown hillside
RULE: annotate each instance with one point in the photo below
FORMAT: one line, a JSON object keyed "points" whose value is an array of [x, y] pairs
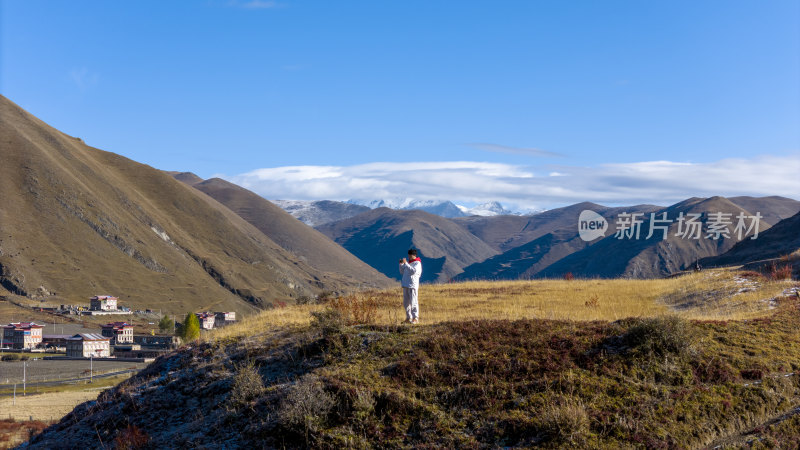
{"points": [[342, 269], [773, 209], [77, 221], [654, 257], [185, 177], [381, 236], [780, 240], [556, 234], [506, 232]]}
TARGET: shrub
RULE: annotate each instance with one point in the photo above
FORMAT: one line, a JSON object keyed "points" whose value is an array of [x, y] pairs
{"points": [[357, 309], [363, 404], [330, 321], [131, 438], [11, 429], [565, 420], [306, 406], [714, 371], [569, 276], [247, 384], [783, 272], [343, 311], [662, 336]]}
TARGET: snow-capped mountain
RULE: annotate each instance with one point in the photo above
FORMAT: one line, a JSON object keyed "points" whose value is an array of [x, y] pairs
{"points": [[486, 209], [443, 208], [316, 213]]}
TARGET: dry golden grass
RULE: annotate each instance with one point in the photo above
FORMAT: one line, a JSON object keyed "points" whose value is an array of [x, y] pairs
{"points": [[711, 294], [725, 295], [48, 407]]}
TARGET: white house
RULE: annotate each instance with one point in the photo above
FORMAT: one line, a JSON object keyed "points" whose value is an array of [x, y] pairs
{"points": [[84, 345], [22, 335], [206, 320], [119, 332], [103, 303]]}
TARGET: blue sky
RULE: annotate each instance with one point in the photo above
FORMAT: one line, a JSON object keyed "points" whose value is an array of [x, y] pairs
{"points": [[561, 101]]}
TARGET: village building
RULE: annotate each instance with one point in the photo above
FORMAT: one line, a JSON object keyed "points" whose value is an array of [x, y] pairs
{"points": [[155, 341], [84, 345], [225, 317], [103, 303], [119, 332], [22, 335], [206, 320], [55, 340]]}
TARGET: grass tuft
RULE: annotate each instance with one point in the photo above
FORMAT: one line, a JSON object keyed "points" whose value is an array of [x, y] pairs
{"points": [[660, 336]]}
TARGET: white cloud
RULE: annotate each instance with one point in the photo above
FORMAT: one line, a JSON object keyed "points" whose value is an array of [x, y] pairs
{"points": [[529, 187]]}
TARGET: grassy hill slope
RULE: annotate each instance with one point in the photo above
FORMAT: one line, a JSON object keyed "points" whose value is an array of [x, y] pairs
{"points": [[76, 221], [342, 270], [650, 382]]}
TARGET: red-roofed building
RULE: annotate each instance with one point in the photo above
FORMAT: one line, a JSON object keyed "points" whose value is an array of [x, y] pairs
{"points": [[119, 332], [206, 320], [22, 335], [103, 303]]}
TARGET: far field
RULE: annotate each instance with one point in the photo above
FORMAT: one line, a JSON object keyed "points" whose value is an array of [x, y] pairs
{"points": [[721, 294], [41, 370], [50, 406]]}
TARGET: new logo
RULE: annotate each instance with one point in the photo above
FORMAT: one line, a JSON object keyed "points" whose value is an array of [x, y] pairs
{"points": [[591, 225]]}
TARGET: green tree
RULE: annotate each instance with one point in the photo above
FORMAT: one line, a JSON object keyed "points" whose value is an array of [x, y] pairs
{"points": [[191, 328], [165, 324]]}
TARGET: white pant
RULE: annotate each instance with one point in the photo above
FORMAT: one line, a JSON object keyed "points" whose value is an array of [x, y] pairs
{"points": [[410, 303]]}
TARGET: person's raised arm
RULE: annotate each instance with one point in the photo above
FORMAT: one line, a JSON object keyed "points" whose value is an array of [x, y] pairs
{"points": [[410, 267]]}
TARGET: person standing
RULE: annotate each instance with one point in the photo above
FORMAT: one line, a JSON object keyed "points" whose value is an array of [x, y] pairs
{"points": [[411, 270]]}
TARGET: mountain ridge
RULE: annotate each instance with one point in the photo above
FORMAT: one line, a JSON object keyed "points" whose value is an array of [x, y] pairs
{"points": [[76, 221], [381, 236], [303, 241]]}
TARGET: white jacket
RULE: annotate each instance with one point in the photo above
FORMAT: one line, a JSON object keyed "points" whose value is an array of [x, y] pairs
{"points": [[411, 273]]}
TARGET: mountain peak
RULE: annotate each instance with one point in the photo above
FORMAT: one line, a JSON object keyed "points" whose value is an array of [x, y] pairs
{"points": [[185, 177]]}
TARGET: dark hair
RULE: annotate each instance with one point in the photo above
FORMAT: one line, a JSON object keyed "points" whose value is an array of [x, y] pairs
{"points": [[412, 252]]}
